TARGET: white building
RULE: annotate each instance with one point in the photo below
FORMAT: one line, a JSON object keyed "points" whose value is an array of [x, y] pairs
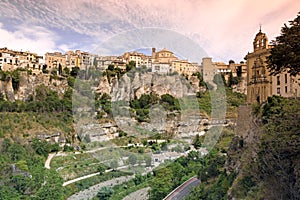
{"points": [[161, 67]]}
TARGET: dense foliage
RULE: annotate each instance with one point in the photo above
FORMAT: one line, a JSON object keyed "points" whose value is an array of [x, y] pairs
{"points": [[279, 152], [285, 54], [23, 175], [141, 106], [270, 163]]}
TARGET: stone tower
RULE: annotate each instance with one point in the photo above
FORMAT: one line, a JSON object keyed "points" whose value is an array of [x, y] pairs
{"points": [[258, 77], [260, 41]]}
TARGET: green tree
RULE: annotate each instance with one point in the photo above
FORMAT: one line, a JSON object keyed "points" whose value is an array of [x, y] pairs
{"points": [[232, 80], [16, 152], [138, 179], [111, 67], [162, 183], [169, 102], [148, 161], [60, 69], [131, 65], [20, 183], [105, 193], [41, 147], [132, 159], [114, 164], [101, 169], [95, 62], [51, 187], [285, 54], [74, 71], [200, 77], [66, 71], [71, 81], [5, 145], [44, 69], [7, 192], [278, 154], [197, 142]]}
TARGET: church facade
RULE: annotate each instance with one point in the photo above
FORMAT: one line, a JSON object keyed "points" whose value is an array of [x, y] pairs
{"points": [[260, 83]]}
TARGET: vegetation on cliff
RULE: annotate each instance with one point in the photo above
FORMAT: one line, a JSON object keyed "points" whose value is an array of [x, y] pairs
{"points": [[23, 175], [265, 166]]}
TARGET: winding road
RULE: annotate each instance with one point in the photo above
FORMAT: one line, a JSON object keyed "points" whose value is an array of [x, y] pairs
{"points": [[183, 190], [60, 153], [48, 161]]}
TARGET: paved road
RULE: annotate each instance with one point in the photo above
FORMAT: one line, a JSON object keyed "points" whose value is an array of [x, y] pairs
{"points": [[183, 190]]}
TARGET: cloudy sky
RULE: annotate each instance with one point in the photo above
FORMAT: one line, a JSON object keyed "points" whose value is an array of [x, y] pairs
{"points": [[223, 28]]}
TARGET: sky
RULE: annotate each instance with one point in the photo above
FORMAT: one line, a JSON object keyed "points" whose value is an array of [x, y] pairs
{"points": [[223, 29]]}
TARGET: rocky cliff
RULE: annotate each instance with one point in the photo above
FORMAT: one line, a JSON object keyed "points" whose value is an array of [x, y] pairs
{"points": [[27, 85], [134, 85]]}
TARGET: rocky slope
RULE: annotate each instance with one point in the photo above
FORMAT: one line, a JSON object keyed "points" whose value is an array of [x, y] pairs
{"points": [[27, 85]]}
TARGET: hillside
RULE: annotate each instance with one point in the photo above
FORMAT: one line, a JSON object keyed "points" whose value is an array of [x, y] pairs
{"points": [[263, 158]]}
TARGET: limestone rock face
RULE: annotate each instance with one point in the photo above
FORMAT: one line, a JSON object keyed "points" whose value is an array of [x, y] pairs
{"points": [[6, 88], [99, 132], [28, 85], [135, 84]]}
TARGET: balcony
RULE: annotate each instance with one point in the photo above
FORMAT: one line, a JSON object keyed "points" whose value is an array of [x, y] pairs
{"points": [[259, 79]]}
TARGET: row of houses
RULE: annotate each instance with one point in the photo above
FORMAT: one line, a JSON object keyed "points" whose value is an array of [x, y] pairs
{"points": [[255, 79], [163, 61], [10, 60]]}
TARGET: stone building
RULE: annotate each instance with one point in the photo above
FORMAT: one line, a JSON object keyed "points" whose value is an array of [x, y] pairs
{"points": [[166, 57], [72, 59], [85, 59], [104, 61], [161, 67], [55, 60], [209, 69], [163, 56], [260, 83], [237, 70], [11, 60], [184, 67]]}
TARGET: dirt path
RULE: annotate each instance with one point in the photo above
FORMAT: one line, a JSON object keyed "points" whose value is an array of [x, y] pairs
{"points": [[48, 161], [60, 153]]}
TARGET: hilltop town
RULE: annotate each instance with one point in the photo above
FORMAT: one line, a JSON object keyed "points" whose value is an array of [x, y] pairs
{"points": [[251, 77], [112, 121]]}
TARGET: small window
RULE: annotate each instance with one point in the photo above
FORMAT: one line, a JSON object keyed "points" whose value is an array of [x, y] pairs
{"points": [[285, 78], [278, 80], [286, 89], [278, 90]]}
